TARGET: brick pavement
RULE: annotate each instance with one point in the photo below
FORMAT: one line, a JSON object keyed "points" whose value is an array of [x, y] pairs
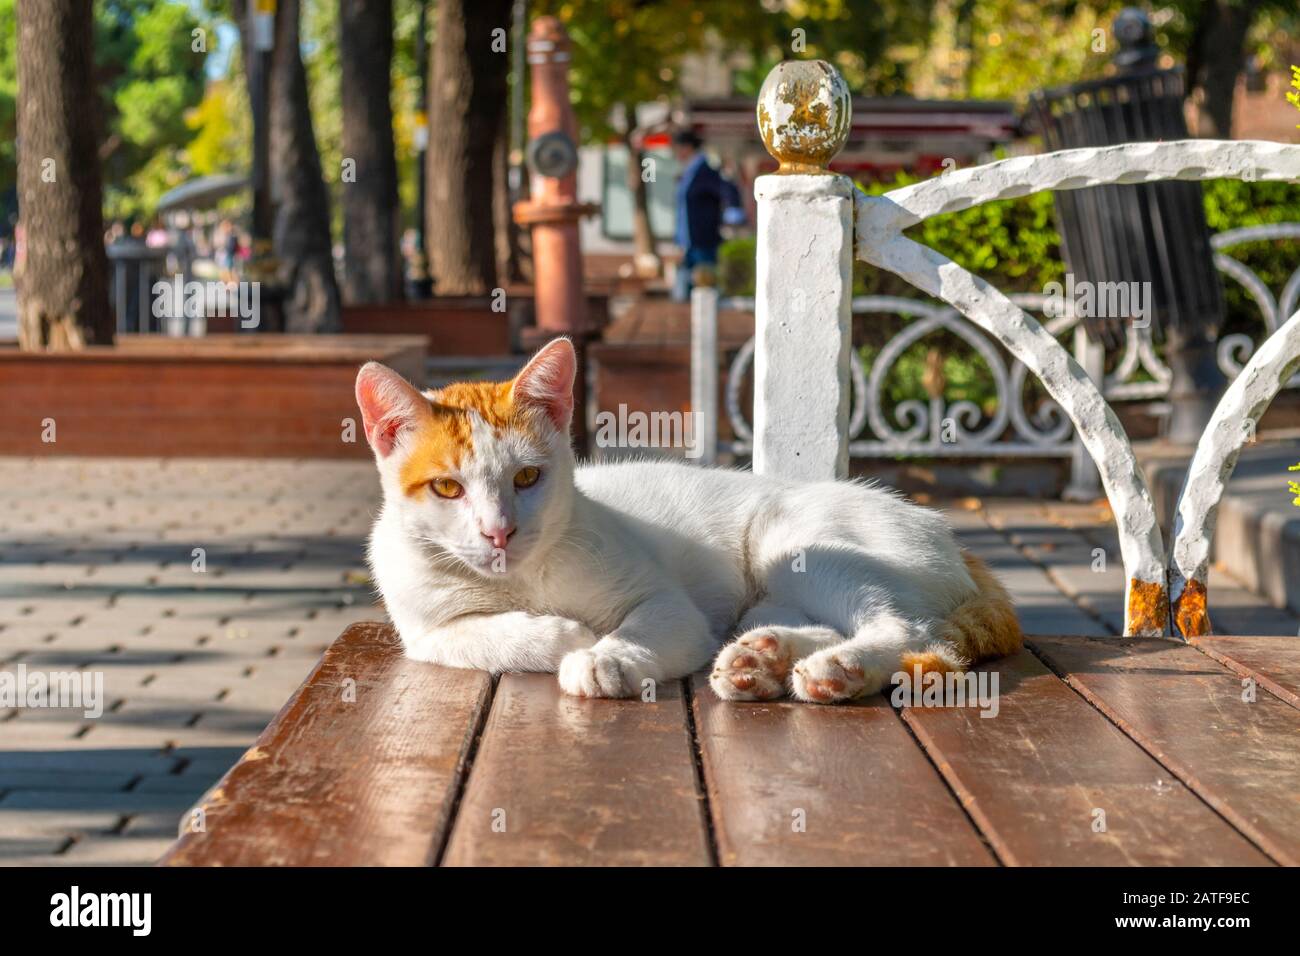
{"points": [[96, 573]]}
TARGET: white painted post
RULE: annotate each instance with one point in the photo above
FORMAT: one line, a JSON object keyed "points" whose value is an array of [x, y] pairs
{"points": [[1085, 480], [704, 371], [804, 276]]}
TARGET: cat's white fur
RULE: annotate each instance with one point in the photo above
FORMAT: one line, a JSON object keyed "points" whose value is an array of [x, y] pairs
{"points": [[623, 575]]}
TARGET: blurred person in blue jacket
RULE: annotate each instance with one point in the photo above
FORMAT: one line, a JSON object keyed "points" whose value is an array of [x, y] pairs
{"points": [[706, 200]]}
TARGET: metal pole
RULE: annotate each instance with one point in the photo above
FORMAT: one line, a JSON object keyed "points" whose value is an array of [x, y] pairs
{"points": [[515, 179], [261, 266], [419, 285], [704, 372], [261, 31]]}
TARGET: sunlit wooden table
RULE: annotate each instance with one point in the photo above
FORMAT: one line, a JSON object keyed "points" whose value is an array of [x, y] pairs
{"points": [[1103, 751]]}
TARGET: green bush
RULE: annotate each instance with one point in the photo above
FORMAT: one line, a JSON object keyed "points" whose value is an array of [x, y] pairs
{"points": [[1232, 204]]}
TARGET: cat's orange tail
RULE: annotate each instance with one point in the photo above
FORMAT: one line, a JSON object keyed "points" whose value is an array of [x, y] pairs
{"points": [[982, 626]]}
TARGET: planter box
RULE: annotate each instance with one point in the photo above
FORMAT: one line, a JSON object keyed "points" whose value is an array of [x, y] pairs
{"points": [[458, 325], [281, 396]]}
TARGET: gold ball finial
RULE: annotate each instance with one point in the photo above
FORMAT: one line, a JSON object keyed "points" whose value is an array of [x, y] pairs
{"points": [[804, 111]]}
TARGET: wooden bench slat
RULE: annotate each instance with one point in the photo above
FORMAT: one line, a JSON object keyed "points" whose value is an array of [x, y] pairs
{"points": [[560, 780], [1243, 759], [867, 792], [333, 782], [1273, 661], [1033, 776]]}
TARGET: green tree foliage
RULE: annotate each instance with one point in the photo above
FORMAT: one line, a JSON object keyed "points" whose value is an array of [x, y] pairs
{"points": [[1014, 51], [150, 62], [8, 101], [149, 75], [1232, 204], [633, 51], [876, 44]]}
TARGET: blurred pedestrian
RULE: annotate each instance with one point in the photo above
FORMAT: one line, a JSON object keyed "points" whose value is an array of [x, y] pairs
{"points": [[703, 195]]}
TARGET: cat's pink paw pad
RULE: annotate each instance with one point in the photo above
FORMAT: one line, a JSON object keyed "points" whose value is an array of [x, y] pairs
{"points": [[753, 667], [824, 679]]}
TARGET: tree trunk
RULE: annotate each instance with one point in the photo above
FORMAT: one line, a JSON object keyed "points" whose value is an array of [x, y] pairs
{"points": [[467, 97], [509, 264], [644, 258], [372, 263], [1215, 61], [63, 302], [302, 220]]}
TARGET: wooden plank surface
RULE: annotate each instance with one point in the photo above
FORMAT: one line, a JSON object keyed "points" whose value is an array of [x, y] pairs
{"points": [[1035, 774], [339, 782], [560, 780], [1242, 758], [793, 784], [1273, 661]]}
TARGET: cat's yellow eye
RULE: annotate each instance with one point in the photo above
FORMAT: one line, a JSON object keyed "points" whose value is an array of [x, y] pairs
{"points": [[527, 477], [446, 488]]}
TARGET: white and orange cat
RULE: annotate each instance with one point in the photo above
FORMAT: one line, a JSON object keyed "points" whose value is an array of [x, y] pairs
{"points": [[495, 551]]}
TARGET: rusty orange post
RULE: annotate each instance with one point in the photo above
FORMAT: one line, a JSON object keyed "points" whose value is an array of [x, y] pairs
{"points": [[553, 211]]}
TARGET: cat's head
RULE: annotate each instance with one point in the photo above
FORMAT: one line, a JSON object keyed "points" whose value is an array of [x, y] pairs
{"points": [[482, 470]]}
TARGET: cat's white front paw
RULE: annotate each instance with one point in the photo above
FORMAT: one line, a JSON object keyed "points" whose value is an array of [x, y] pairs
{"points": [[594, 674], [753, 667]]}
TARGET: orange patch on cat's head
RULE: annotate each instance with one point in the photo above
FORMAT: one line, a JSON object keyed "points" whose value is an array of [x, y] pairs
{"points": [[538, 402], [443, 442]]}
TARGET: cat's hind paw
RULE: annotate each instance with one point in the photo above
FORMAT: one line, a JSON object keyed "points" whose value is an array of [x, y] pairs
{"points": [[830, 676], [755, 666]]}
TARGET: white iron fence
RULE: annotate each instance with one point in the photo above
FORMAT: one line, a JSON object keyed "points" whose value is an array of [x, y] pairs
{"points": [[812, 224], [938, 428]]}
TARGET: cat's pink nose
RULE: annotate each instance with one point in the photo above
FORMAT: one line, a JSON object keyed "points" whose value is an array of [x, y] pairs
{"points": [[498, 536]]}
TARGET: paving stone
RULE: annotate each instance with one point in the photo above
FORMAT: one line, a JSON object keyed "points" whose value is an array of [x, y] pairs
{"points": [[208, 761], [135, 736], [29, 850], [63, 780], [244, 722], [93, 761], [18, 822], [152, 713], [26, 732], [117, 850], [191, 786], [118, 803], [156, 825]]}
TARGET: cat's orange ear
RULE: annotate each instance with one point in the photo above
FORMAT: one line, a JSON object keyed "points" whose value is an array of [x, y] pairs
{"points": [[389, 403], [546, 382]]}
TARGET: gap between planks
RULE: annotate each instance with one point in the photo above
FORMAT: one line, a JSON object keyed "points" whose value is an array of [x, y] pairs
{"points": [[439, 850]]}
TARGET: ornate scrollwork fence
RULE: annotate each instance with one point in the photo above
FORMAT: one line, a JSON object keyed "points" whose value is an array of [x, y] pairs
{"points": [[937, 428], [812, 224]]}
